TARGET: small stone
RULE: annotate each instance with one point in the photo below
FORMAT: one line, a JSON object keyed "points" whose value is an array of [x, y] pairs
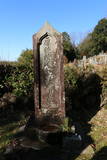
{"points": [[9, 149], [73, 142], [22, 128], [36, 145], [88, 150]]}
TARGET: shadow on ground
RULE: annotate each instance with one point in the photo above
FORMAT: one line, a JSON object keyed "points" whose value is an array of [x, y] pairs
{"points": [[85, 101], [50, 153], [101, 155]]}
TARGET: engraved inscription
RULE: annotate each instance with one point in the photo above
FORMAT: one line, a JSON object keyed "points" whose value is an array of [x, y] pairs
{"points": [[49, 76]]}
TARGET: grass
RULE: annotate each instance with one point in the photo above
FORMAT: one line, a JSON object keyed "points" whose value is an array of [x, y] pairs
{"points": [[99, 130], [99, 135], [10, 124], [9, 130]]}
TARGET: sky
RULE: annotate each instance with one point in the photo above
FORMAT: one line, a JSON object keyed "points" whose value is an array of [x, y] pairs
{"points": [[20, 19]]}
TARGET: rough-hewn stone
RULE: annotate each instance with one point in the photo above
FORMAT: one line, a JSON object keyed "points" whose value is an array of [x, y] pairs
{"points": [[49, 77]]}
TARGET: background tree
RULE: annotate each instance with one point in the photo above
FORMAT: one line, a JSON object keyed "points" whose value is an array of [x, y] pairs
{"points": [[22, 77], [96, 41], [99, 36], [69, 47], [26, 58], [86, 46]]}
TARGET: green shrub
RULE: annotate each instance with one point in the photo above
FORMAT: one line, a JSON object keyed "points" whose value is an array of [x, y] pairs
{"points": [[5, 72], [21, 80], [26, 58], [71, 77], [66, 126], [16, 78]]}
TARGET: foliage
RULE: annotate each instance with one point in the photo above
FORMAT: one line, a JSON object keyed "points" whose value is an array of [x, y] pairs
{"points": [[69, 48], [26, 58], [17, 79], [9, 127], [66, 41], [23, 77], [71, 77], [66, 126], [5, 72], [96, 41], [21, 80], [85, 46], [99, 36], [103, 75], [81, 90]]}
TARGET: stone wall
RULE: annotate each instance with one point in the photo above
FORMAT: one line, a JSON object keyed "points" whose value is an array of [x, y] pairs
{"points": [[100, 59]]}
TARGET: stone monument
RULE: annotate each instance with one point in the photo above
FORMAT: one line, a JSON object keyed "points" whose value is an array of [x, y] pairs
{"points": [[49, 75]]}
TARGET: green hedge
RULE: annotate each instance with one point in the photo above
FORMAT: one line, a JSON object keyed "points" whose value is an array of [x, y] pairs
{"points": [[5, 73], [82, 87], [16, 78], [19, 78]]}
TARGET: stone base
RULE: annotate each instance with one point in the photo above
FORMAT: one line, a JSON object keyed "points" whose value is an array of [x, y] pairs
{"points": [[49, 134]]}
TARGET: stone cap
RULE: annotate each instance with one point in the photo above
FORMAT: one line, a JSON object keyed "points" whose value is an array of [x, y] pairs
{"points": [[47, 28]]}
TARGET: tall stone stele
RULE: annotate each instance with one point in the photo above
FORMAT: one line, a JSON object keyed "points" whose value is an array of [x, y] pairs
{"points": [[49, 75]]}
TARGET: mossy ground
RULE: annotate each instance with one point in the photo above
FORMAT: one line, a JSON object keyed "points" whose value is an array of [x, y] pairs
{"points": [[10, 123], [9, 127], [98, 133]]}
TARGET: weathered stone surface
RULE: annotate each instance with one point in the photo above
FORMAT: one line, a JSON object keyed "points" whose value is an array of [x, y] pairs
{"points": [[88, 150], [49, 77]]}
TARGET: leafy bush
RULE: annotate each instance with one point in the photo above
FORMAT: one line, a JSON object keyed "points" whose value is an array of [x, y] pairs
{"points": [[66, 126], [21, 80], [26, 58], [5, 72], [16, 78], [71, 77]]}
